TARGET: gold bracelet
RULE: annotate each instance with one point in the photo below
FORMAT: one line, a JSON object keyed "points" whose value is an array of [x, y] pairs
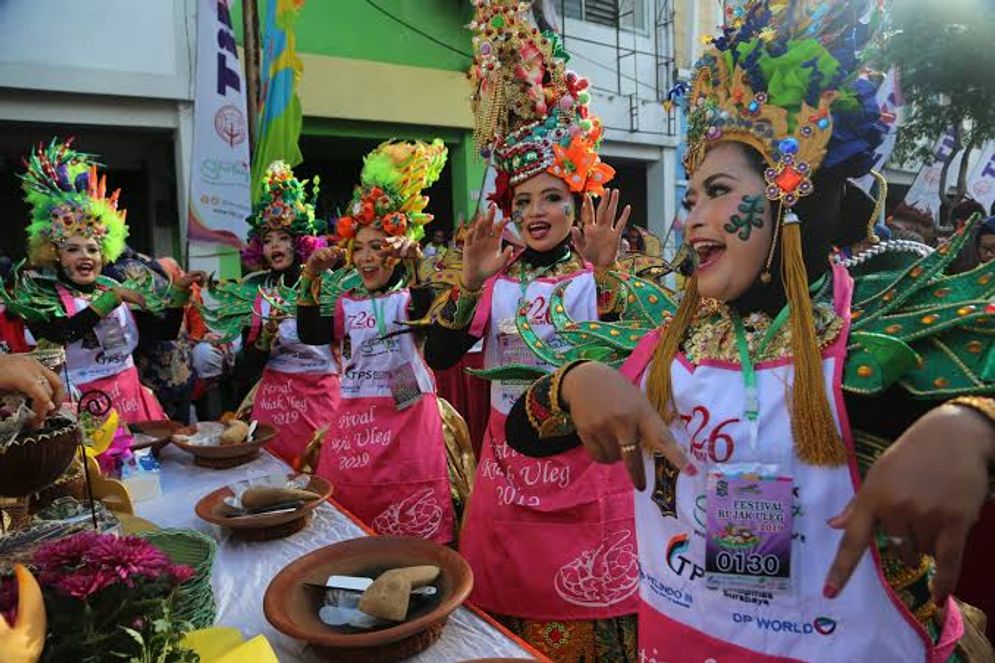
{"points": [[986, 408], [466, 290], [980, 404]]}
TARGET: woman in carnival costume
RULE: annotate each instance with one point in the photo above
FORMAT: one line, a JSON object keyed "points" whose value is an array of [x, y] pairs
{"points": [[551, 542], [298, 391], [76, 230], [791, 382], [385, 451]]}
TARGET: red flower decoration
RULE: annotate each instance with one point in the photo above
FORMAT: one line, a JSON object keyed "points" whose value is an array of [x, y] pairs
{"points": [[502, 192], [395, 223], [346, 227], [367, 212]]}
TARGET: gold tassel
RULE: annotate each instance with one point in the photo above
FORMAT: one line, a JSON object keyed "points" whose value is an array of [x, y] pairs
{"points": [[816, 440], [658, 386]]}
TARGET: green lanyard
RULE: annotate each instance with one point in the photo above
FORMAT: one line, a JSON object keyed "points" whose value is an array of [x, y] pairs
{"points": [[524, 285], [752, 407], [378, 314], [376, 302]]}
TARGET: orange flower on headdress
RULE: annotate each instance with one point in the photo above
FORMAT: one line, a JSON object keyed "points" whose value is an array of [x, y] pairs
{"points": [[579, 166], [366, 211], [346, 227], [395, 224]]}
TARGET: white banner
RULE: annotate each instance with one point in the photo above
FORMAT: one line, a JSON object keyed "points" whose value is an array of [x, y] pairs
{"points": [[890, 101], [925, 191], [219, 170], [981, 182]]}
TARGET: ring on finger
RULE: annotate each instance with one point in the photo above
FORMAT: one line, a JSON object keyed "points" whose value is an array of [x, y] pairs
{"points": [[628, 448]]}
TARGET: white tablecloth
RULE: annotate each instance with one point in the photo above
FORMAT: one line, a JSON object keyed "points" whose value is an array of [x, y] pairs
{"points": [[242, 571]]}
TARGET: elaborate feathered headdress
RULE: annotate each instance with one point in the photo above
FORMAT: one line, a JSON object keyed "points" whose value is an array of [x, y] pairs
{"points": [[284, 204], [530, 113], [784, 79], [389, 195], [67, 198]]}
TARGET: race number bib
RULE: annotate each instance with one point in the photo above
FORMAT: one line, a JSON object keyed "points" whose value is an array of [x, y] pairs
{"points": [[749, 529]]}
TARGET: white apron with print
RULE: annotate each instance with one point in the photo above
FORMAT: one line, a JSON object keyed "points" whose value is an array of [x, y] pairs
{"points": [[298, 391], [680, 620], [547, 538], [101, 362], [388, 465]]}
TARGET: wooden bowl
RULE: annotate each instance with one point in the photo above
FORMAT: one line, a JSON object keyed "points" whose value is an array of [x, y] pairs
{"points": [[159, 434], [36, 458], [292, 607], [265, 526], [222, 457]]}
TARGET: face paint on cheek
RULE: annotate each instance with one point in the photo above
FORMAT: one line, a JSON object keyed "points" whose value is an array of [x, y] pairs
{"points": [[568, 211], [517, 216], [752, 210]]}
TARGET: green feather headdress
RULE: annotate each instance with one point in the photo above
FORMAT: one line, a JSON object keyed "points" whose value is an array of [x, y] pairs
{"points": [[284, 204], [389, 196], [68, 198]]}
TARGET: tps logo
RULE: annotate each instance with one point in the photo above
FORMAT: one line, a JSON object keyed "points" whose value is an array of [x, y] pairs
{"points": [[820, 625], [678, 563]]}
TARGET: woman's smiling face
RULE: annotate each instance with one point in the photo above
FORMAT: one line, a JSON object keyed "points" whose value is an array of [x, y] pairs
{"points": [[373, 267], [729, 222], [543, 209], [278, 249], [80, 259]]}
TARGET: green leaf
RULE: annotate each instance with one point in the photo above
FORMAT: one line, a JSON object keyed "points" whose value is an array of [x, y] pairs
{"points": [[878, 361]]}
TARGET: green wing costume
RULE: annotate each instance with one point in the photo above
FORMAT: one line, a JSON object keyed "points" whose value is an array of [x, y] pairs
{"points": [[33, 295], [916, 325], [232, 304]]}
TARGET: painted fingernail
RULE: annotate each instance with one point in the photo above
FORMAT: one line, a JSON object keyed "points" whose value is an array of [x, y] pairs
{"points": [[690, 470], [830, 591]]}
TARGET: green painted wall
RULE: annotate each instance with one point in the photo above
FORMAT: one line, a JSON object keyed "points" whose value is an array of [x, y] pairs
{"points": [[376, 30], [467, 167]]}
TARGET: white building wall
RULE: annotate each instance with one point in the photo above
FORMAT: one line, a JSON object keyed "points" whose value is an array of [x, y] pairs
{"points": [[622, 66]]}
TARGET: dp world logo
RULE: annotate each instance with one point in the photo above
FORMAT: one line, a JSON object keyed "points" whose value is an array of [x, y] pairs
{"points": [[820, 625], [824, 625]]}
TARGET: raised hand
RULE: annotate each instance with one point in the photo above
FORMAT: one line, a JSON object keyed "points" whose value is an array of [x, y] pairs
{"points": [[400, 248], [482, 253], [129, 296], [186, 281], [600, 232], [949, 450], [324, 259]]}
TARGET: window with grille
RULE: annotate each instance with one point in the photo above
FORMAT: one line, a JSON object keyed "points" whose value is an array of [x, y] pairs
{"points": [[626, 13]]}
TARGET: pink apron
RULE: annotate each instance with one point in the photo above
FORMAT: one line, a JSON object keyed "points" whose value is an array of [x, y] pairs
{"points": [[102, 362], [548, 538], [680, 619], [388, 465], [298, 392]]}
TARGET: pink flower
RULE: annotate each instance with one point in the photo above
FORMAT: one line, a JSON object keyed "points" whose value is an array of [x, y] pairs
{"points": [[128, 556], [63, 556], [83, 584], [181, 573]]}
